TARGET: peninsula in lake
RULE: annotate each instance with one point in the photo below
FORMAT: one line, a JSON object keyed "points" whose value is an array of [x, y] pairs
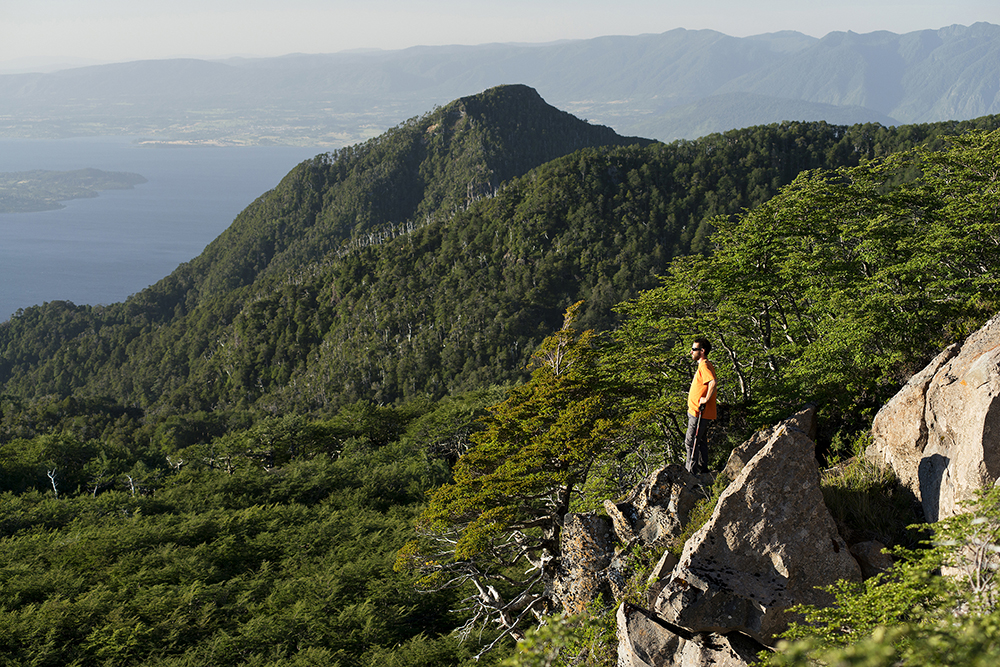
{"points": [[43, 190]]}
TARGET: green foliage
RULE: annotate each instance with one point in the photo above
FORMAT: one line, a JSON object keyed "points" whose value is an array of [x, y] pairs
{"points": [[586, 640], [836, 289], [640, 560], [446, 429], [176, 344], [868, 502], [222, 469], [290, 565], [536, 451], [278, 556], [935, 606], [423, 263], [504, 510]]}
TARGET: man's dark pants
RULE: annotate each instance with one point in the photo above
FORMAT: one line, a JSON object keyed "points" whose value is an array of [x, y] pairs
{"points": [[697, 452]]}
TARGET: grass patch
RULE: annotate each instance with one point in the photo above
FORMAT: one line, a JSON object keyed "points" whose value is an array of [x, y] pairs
{"points": [[868, 502]]}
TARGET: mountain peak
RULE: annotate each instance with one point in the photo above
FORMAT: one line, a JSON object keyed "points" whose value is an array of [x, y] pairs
{"points": [[434, 163]]}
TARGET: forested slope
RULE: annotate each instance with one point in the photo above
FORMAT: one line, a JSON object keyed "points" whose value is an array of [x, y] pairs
{"points": [[220, 469], [431, 165], [397, 269], [198, 564]]}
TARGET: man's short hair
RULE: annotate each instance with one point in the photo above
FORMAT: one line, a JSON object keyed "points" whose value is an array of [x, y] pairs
{"points": [[704, 344]]}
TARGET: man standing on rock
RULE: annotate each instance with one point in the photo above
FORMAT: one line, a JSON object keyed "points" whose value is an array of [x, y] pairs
{"points": [[701, 408]]}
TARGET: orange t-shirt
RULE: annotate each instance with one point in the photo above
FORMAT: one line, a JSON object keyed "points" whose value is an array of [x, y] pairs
{"points": [[699, 387]]}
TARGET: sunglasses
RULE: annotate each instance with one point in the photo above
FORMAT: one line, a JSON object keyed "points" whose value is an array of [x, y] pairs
{"points": [[696, 349]]}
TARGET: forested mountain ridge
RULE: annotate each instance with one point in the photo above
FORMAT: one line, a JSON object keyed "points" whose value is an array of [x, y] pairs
{"points": [[427, 168], [224, 468], [439, 162], [328, 289]]}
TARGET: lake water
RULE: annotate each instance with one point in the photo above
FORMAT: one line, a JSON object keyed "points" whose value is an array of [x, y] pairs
{"points": [[101, 250]]}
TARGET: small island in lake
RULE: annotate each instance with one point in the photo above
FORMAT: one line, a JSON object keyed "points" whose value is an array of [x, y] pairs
{"points": [[43, 190]]}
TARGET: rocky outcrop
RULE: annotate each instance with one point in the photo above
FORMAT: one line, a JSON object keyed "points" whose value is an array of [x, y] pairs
{"points": [[803, 421], [587, 548], [769, 544], [657, 510], [644, 640], [940, 434], [653, 513]]}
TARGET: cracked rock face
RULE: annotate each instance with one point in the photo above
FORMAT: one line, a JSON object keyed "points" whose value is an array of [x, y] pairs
{"points": [[940, 434], [645, 641], [656, 510], [587, 545], [769, 544]]}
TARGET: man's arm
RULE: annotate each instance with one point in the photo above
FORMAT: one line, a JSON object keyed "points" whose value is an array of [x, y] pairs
{"points": [[708, 394]]}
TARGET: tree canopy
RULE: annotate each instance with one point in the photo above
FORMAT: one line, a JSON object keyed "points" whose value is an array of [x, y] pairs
{"points": [[199, 474], [498, 523], [448, 293], [840, 287], [834, 291]]}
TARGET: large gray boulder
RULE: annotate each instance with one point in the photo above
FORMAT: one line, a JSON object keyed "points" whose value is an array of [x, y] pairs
{"points": [[803, 421], [940, 434], [769, 545], [656, 510], [646, 641]]}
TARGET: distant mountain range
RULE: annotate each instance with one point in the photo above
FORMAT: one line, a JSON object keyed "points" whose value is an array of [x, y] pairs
{"points": [[679, 84]]}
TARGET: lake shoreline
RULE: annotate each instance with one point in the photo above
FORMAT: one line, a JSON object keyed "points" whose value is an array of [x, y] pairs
{"points": [[101, 250]]}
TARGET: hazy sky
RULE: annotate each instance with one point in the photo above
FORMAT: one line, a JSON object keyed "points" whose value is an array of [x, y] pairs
{"points": [[119, 30]]}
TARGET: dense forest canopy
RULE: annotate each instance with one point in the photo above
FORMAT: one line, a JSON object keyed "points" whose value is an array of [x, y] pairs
{"points": [[840, 287], [448, 292], [834, 291], [215, 456]]}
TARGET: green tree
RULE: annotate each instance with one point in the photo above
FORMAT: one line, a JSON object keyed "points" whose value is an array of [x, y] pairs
{"points": [[584, 640], [934, 607], [497, 525], [838, 288]]}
